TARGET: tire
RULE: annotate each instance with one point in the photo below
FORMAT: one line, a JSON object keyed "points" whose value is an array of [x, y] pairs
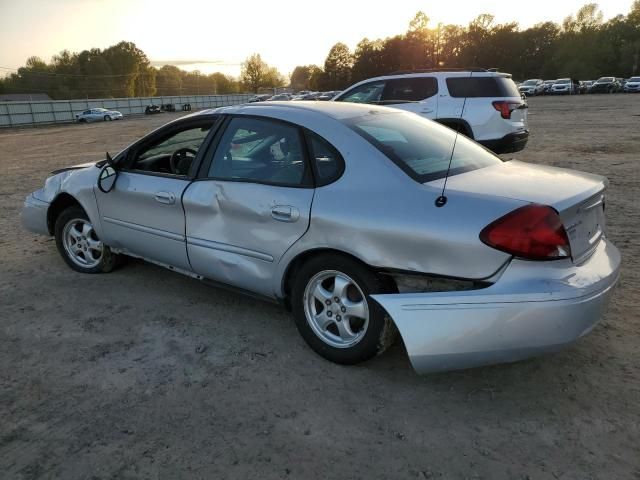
{"points": [[82, 120], [107, 118], [79, 246], [371, 336]]}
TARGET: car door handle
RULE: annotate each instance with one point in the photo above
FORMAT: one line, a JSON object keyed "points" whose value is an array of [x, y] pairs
{"points": [[285, 213], [165, 197]]}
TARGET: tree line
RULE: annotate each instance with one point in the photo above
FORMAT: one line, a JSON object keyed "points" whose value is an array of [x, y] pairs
{"points": [[584, 46], [122, 70]]}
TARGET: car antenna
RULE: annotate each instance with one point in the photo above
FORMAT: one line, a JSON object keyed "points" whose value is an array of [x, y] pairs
{"points": [[441, 201]]}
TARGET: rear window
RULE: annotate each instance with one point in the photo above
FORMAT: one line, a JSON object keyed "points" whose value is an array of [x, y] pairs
{"points": [[420, 147], [482, 87]]}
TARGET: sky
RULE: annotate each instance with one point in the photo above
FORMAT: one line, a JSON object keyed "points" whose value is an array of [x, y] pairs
{"points": [[218, 36]]}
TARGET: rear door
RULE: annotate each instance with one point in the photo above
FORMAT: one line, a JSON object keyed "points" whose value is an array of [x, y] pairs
{"points": [[251, 202], [414, 94]]}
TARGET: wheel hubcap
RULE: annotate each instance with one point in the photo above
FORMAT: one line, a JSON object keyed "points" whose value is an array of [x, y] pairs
{"points": [[81, 243], [336, 309]]}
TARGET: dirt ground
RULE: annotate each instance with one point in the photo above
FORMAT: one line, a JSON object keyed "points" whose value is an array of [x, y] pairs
{"points": [[144, 373]]}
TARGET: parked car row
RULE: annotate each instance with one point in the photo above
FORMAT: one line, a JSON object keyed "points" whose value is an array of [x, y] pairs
{"points": [[572, 86], [302, 95]]}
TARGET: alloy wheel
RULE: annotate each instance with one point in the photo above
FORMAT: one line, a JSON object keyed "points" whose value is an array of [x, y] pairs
{"points": [[336, 309], [81, 243]]}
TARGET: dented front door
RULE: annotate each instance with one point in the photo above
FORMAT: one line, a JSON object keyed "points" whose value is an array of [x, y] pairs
{"points": [[237, 231]]}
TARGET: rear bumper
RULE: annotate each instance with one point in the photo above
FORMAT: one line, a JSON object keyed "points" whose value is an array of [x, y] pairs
{"points": [[34, 215], [514, 142], [535, 307]]}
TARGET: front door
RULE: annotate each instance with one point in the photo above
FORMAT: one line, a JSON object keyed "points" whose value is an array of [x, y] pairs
{"points": [[143, 214], [251, 205]]}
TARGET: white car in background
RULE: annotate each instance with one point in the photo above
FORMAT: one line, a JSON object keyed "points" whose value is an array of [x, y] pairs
{"points": [[532, 87], [485, 106], [564, 86], [98, 115], [632, 85]]}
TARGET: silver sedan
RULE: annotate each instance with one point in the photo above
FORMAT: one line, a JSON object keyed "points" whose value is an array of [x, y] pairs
{"points": [[98, 115], [363, 221]]}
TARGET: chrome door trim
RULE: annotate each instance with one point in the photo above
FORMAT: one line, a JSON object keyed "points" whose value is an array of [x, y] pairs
{"points": [[224, 247], [142, 228]]}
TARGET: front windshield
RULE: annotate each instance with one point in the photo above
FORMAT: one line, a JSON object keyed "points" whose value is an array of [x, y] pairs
{"points": [[634, 79], [564, 80], [420, 147], [530, 82], [605, 80]]}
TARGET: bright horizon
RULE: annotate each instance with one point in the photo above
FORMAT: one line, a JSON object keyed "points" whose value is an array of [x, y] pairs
{"points": [[195, 34]]}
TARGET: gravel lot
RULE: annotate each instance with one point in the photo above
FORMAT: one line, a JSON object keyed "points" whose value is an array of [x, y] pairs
{"points": [[144, 373]]}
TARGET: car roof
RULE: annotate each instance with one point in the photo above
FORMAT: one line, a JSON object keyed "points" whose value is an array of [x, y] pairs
{"points": [[336, 110]]}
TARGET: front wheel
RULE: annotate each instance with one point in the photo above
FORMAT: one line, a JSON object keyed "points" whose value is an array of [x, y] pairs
{"points": [[334, 311], [79, 244], [107, 118]]}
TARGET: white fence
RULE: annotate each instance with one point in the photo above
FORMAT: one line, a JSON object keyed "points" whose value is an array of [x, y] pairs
{"points": [[63, 111]]}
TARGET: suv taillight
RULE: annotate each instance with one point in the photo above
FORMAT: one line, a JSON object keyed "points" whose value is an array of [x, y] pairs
{"points": [[505, 107], [534, 232]]}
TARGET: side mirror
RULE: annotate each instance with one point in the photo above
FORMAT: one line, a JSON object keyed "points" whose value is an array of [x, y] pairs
{"points": [[108, 176]]}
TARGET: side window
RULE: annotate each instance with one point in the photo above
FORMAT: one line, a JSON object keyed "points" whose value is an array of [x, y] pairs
{"points": [[403, 90], [262, 151], [366, 93], [327, 160], [173, 152]]}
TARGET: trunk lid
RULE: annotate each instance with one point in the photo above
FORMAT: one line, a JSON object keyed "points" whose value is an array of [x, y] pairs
{"points": [[577, 196]]}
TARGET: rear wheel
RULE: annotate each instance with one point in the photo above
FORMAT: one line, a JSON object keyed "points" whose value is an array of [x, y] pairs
{"points": [[79, 244], [334, 312]]}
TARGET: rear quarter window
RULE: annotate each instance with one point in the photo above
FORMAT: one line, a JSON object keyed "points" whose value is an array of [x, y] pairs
{"points": [[474, 87]]}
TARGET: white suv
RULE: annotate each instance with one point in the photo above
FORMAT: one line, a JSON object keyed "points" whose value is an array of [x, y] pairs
{"points": [[484, 105]]}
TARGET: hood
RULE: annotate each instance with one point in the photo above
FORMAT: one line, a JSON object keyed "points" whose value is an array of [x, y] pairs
{"points": [[74, 167], [558, 187]]}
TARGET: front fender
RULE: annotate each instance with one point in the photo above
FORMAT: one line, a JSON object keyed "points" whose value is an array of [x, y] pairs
{"points": [[77, 183]]}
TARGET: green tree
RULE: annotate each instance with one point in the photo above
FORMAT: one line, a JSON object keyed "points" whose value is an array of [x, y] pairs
{"points": [[367, 60], [337, 67], [254, 72], [169, 81]]}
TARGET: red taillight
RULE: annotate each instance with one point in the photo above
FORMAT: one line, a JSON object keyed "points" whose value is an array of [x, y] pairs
{"points": [[505, 108], [534, 232]]}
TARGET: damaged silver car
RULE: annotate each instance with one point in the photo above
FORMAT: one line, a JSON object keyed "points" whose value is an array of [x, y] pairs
{"points": [[364, 221]]}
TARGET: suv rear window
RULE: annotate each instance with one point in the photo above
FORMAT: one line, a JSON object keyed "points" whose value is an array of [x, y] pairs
{"points": [[461, 87], [420, 147]]}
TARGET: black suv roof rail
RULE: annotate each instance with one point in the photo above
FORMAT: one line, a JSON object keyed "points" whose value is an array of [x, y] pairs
{"points": [[433, 70]]}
